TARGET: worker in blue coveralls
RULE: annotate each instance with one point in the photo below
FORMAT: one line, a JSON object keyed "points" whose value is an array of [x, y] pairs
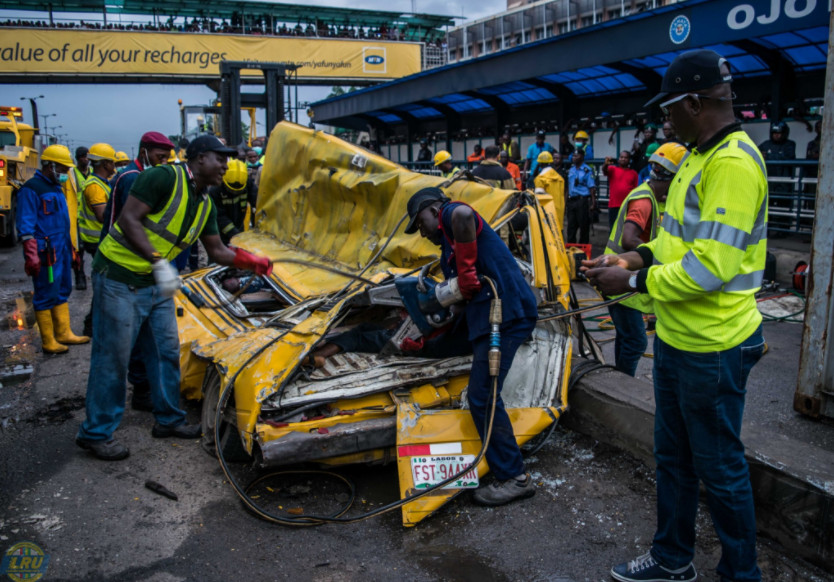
{"points": [[43, 225], [469, 249]]}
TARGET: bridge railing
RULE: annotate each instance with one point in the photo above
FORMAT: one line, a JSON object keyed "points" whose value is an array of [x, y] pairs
{"points": [[792, 191]]}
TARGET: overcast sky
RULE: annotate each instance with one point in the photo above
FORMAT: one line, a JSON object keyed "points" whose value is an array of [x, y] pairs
{"points": [[119, 114]]}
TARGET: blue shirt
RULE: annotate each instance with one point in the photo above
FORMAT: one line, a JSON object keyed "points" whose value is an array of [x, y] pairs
{"points": [[580, 181], [42, 212], [533, 153]]}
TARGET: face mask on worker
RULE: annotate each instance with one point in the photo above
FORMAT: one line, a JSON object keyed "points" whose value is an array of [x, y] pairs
{"points": [[62, 178], [579, 145]]}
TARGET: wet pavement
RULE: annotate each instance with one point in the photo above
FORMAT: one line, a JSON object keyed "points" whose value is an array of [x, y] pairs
{"points": [[594, 504]]}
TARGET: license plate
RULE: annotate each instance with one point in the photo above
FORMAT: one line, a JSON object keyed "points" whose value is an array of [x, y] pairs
{"points": [[428, 471]]}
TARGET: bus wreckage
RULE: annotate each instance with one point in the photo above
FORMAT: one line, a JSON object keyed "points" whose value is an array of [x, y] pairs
{"points": [[330, 216]]}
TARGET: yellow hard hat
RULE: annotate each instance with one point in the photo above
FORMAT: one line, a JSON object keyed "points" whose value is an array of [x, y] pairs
{"points": [[122, 157], [581, 135], [669, 156], [59, 154], [236, 176], [172, 157], [101, 151], [545, 158], [442, 156]]}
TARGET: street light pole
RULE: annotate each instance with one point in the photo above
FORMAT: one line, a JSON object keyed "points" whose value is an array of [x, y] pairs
{"points": [[34, 107], [45, 117]]}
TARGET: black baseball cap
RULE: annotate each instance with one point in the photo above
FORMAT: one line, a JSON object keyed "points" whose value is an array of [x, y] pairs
{"points": [[420, 201], [207, 143], [692, 71], [541, 133]]}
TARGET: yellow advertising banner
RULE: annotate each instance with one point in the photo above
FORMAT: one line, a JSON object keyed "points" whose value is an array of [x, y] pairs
{"points": [[118, 53]]}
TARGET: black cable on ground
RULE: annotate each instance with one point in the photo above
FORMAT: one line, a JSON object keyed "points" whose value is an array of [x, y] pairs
{"points": [[310, 520]]}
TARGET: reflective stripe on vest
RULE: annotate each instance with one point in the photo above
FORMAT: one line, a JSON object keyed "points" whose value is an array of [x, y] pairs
{"points": [[615, 241], [694, 228], [88, 224], [162, 229]]}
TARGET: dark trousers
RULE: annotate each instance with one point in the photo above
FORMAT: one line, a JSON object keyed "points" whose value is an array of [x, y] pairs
{"points": [[503, 454], [612, 216], [697, 436], [630, 341], [579, 219]]}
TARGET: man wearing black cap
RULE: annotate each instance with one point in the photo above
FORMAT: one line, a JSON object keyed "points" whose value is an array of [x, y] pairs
{"points": [[133, 285], [702, 272], [533, 155], [80, 173], [469, 249]]}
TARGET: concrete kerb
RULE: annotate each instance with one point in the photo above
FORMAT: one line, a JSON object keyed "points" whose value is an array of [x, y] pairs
{"points": [[793, 482]]}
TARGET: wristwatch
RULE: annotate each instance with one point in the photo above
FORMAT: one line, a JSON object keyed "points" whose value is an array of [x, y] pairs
{"points": [[632, 282]]}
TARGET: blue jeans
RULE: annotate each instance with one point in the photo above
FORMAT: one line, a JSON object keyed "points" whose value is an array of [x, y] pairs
{"points": [[503, 454], [700, 403], [630, 341], [124, 316]]}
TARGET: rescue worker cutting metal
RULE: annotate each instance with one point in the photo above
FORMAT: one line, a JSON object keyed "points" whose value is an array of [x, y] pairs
{"points": [[471, 249], [231, 199], [133, 285], [43, 225]]}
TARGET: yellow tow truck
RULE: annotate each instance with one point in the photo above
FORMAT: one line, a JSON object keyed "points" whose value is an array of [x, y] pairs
{"points": [[18, 162]]}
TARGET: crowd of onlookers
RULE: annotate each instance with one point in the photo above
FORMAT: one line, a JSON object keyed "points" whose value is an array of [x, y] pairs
{"points": [[257, 25]]}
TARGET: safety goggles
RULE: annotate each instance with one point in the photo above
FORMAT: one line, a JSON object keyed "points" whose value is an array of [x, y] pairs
{"points": [[660, 175], [664, 107]]}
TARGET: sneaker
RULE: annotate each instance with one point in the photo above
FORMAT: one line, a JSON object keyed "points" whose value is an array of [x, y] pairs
{"points": [[111, 450], [141, 399], [645, 569], [183, 431], [501, 492]]}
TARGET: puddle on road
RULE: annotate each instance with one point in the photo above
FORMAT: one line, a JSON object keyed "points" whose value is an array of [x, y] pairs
{"points": [[457, 564], [16, 359]]}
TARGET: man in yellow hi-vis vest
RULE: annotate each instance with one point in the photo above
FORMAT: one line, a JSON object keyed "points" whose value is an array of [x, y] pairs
{"points": [[702, 272], [133, 285], [636, 223]]}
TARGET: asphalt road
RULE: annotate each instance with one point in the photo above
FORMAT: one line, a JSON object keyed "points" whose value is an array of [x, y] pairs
{"points": [[594, 505]]}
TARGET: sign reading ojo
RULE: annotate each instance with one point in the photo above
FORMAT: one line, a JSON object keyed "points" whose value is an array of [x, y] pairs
{"points": [[743, 15], [101, 53]]}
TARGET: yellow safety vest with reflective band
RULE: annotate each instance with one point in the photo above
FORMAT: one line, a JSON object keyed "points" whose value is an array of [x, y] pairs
{"points": [[162, 228], [710, 250], [450, 173], [88, 224], [641, 302]]}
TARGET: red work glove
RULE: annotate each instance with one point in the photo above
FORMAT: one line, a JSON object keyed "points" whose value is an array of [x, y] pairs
{"points": [[249, 262], [410, 345], [76, 260], [32, 264], [466, 255]]}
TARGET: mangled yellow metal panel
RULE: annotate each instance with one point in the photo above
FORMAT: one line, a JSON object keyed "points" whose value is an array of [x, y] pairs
{"points": [[329, 212]]}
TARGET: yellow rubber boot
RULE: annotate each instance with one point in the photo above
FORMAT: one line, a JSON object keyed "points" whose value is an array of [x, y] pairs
{"points": [[63, 333], [50, 344]]}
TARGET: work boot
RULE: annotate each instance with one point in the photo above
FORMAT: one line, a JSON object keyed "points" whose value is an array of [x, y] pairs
{"points": [[141, 399], [88, 325], [80, 280], [183, 431], [63, 333], [501, 492], [111, 450], [50, 344], [645, 569]]}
